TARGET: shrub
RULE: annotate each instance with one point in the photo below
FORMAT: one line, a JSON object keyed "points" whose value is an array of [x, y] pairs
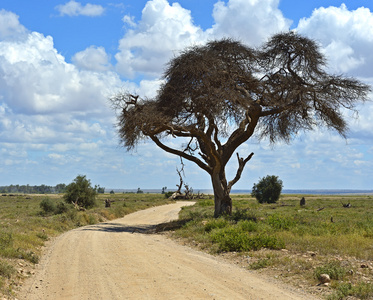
{"points": [[48, 206], [168, 194], [61, 208], [81, 193], [268, 189]]}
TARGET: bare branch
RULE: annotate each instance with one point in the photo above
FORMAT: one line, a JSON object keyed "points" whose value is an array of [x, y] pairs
{"points": [[241, 165], [181, 154]]}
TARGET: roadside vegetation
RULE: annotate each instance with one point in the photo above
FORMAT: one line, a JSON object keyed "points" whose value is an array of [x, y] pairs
{"points": [[294, 242], [27, 222]]}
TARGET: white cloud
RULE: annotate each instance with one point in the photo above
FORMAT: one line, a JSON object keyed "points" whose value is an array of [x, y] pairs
{"points": [[251, 21], [10, 28], [166, 29], [93, 59], [346, 36], [73, 8], [130, 20], [36, 79], [163, 30]]}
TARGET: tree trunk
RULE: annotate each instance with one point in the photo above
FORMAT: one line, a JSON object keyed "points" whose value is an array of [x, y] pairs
{"points": [[223, 202]]}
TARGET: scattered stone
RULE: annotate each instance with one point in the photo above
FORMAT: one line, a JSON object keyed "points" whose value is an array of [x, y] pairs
{"points": [[324, 278]]}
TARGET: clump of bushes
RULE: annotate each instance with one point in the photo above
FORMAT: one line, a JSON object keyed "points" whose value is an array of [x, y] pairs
{"points": [[49, 206]]}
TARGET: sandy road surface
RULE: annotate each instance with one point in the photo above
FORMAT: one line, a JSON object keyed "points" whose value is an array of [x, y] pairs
{"points": [[117, 260]]}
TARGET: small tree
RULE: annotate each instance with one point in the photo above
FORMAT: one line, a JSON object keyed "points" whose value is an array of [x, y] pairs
{"points": [[268, 189], [100, 190], [81, 193]]}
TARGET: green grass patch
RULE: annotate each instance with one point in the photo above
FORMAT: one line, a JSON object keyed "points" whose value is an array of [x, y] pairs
{"points": [[344, 290]]}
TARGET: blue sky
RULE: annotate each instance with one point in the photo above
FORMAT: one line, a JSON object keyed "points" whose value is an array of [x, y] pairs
{"points": [[60, 61]]}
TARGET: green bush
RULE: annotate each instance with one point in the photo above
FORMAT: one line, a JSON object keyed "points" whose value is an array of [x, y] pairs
{"points": [[81, 193], [61, 207], [268, 189], [168, 194], [48, 206]]}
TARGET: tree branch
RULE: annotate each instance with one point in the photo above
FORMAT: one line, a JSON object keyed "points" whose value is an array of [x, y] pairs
{"points": [[181, 154], [241, 165]]}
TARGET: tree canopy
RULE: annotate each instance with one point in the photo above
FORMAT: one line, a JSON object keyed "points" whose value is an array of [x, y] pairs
{"points": [[219, 94], [81, 193]]}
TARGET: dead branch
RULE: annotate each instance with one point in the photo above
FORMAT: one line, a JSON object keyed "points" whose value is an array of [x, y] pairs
{"points": [[348, 205]]}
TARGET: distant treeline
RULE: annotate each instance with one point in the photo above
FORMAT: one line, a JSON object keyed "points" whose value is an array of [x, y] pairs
{"points": [[40, 189], [33, 189]]}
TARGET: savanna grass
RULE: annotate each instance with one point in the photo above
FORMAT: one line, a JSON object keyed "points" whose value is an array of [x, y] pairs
{"points": [[323, 227]]}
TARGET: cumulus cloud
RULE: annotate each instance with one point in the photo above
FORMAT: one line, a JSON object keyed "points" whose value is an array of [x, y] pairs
{"points": [[346, 37], [92, 58], [163, 30], [10, 28], [251, 21], [36, 79], [73, 8]]}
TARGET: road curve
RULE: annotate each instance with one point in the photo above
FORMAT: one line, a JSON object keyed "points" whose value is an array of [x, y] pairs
{"points": [[118, 260]]}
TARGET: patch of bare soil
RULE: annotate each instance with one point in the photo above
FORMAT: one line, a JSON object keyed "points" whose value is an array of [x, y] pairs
{"points": [[121, 260]]}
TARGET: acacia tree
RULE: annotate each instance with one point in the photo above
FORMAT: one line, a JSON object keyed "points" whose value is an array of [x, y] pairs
{"points": [[218, 95]]}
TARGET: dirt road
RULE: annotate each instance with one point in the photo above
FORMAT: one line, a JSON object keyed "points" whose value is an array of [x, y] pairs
{"points": [[117, 260]]}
